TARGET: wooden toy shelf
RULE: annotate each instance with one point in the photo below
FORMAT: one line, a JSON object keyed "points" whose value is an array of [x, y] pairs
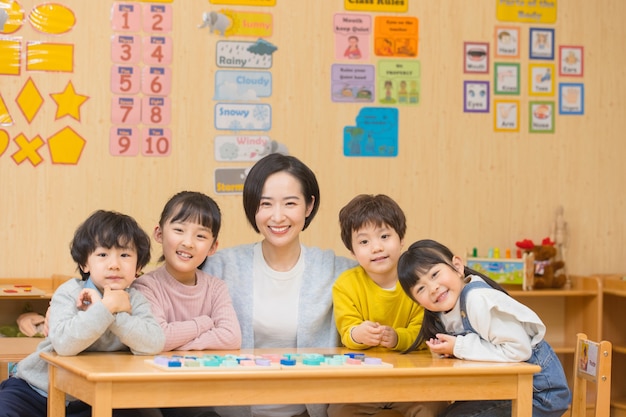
{"points": [[614, 330], [15, 299]]}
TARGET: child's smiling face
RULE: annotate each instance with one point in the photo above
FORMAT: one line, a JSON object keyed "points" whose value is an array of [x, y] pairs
{"points": [[114, 267], [440, 287]]}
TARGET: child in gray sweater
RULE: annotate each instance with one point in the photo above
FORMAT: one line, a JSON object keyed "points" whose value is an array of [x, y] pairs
{"points": [[97, 313]]}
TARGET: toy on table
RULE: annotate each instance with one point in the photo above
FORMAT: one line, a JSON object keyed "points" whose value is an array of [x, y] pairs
{"points": [[513, 271], [558, 234], [249, 362], [548, 272]]}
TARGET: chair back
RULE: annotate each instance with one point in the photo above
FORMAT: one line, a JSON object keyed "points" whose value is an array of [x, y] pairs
{"points": [[592, 367]]}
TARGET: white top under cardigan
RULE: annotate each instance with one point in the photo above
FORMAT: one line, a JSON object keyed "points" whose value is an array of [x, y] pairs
{"points": [[316, 324]]}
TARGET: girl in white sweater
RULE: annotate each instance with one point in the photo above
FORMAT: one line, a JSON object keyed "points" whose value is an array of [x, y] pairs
{"points": [[469, 316]]}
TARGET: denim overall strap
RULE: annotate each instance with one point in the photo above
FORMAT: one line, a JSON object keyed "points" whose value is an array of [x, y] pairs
{"points": [[551, 394], [467, 327]]}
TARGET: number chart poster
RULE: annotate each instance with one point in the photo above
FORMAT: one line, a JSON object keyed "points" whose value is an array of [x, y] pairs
{"points": [[141, 79]]}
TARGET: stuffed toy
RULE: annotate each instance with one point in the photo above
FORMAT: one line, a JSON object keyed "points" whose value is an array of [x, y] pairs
{"points": [[548, 270], [29, 324]]}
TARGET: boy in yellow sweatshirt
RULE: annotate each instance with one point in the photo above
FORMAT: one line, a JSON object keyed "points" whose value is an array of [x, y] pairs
{"points": [[371, 309]]}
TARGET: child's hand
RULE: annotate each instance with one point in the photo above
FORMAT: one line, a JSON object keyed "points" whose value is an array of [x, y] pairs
{"points": [[86, 298], [367, 333], [389, 337], [46, 329], [443, 345], [116, 301]]}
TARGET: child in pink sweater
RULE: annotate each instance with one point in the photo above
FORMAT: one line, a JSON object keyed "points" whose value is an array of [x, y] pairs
{"points": [[193, 308]]}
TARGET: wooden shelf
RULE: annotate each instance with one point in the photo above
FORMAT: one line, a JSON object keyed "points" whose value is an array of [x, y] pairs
{"points": [[613, 330], [566, 312], [13, 349], [619, 349]]}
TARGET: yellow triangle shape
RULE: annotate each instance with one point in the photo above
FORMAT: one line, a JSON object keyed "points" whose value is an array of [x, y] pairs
{"points": [[5, 116]]}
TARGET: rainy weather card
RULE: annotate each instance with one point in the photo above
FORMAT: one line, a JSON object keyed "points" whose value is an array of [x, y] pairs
{"points": [[375, 133], [352, 83], [238, 54]]}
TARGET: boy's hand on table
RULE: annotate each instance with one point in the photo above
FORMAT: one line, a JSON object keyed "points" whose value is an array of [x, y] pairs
{"points": [[117, 301], [389, 337], [367, 333]]}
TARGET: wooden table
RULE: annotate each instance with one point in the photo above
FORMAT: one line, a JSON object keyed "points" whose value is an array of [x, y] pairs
{"points": [[121, 380]]}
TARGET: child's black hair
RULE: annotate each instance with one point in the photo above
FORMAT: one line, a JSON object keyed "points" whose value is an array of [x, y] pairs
{"points": [[109, 229], [419, 258], [364, 209]]}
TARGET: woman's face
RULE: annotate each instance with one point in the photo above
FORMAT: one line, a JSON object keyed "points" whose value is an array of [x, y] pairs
{"points": [[282, 209]]}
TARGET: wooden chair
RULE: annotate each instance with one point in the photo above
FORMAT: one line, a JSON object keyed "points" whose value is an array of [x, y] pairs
{"points": [[592, 363]]}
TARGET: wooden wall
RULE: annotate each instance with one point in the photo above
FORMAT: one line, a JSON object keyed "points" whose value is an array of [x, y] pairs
{"points": [[458, 180]]}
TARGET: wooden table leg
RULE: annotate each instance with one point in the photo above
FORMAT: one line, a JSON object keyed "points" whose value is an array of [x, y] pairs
{"points": [[523, 405], [56, 397], [103, 400]]}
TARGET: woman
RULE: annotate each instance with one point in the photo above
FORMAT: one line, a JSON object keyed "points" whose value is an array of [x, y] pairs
{"points": [[281, 289]]}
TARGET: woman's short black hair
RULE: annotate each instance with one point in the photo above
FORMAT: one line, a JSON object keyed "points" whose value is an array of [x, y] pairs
{"points": [[109, 229], [272, 164]]}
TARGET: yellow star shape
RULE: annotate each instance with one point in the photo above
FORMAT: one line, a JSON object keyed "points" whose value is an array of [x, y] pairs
{"points": [[68, 102]]}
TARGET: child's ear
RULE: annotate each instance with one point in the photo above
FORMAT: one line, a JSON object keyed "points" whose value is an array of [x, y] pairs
{"points": [[458, 264], [158, 234], [213, 248]]}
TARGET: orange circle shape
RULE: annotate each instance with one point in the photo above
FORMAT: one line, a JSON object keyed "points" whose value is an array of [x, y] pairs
{"points": [[14, 16], [52, 18]]}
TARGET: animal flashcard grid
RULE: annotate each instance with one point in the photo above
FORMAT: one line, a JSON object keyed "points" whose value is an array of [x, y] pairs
{"points": [[265, 362]]}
